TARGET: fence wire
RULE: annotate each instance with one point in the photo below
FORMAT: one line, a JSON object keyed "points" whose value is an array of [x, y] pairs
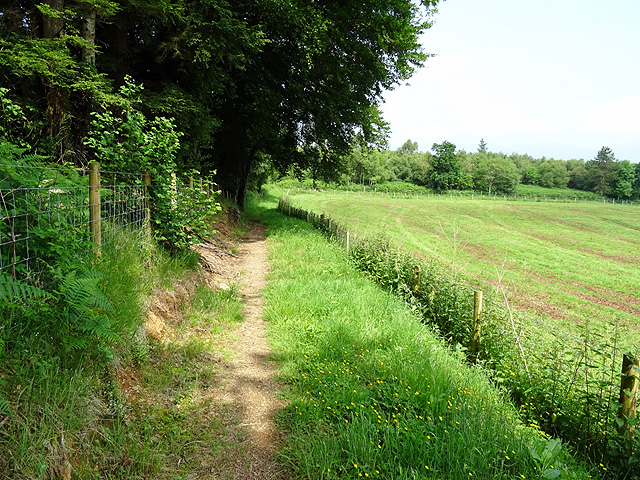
{"points": [[43, 209]]}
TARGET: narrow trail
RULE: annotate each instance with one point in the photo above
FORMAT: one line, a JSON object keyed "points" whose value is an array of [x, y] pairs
{"points": [[247, 383]]}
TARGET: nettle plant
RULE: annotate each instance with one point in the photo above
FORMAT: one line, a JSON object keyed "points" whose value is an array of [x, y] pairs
{"points": [[129, 142]]}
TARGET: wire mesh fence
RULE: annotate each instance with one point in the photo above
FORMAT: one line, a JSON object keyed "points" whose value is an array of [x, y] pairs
{"points": [[123, 203], [45, 209]]}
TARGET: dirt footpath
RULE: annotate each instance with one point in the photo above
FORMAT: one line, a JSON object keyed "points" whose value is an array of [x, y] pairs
{"points": [[247, 383]]}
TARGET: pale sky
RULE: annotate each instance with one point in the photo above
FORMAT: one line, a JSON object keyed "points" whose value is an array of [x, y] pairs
{"points": [[553, 78]]}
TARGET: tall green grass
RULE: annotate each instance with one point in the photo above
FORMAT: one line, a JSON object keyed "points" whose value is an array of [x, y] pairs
{"points": [[59, 399], [373, 392]]}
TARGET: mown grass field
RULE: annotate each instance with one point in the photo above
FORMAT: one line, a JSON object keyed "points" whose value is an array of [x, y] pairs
{"points": [[568, 261]]}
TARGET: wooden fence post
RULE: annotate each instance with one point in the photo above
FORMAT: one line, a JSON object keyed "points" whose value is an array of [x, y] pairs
{"points": [[94, 207], [629, 392], [146, 179], [475, 339], [416, 278], [347, 243], [174, 191]]}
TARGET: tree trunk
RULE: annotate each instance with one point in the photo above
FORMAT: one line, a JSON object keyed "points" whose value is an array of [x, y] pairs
{"points": [[88, 30], [116, 41], [245, 171], [57, 98], [52, 27]]}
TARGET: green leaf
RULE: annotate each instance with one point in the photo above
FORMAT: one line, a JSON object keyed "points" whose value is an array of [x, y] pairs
{"points": [[551, 473]]}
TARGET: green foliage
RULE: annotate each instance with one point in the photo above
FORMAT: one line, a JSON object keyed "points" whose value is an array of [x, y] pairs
{"points": [[183, 220], [553, 174], [495, 173], [624, 179], [85, 311], [4, 406], [531, 176], [408, 147], [567, 194], [128, 142], [12, 290], [602, 171], [445, 167], [28, 185], [636, 184], [12, 118], [251, 85], [396, 187], [373, 392], [482, 146], [54, 88], [545, 453], [55, 366], [299, 92], [368, 166]]}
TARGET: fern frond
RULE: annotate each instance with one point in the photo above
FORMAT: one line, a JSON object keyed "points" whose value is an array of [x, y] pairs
{"points": [[17, 291], [84, 291], [74, 343]]}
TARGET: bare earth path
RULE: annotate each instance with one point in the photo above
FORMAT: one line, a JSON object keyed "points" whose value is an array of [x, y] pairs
{"points": [[247, 384]]}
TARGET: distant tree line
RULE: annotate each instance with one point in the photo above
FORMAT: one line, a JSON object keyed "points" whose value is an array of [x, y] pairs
{"points": [[445, 169]]}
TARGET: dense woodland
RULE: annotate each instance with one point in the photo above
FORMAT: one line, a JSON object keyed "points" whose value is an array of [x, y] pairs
{"points": [[243, 84]]}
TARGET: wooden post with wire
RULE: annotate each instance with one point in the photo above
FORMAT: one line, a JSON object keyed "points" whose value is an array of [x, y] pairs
{"points": [[94, 207], [146, 180], [416, 278], [629, 393], [475, 339]]}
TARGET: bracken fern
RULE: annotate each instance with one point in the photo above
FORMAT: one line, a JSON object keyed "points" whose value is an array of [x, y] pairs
{"points": [[14, 291]]}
